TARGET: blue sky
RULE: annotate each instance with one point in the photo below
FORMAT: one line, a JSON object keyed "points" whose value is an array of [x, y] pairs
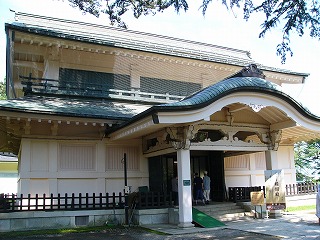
{"points": [[219, 27]]}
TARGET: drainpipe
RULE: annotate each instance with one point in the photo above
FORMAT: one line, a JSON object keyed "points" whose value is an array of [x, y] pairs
{"points": [[126, 190], [9, 80]]}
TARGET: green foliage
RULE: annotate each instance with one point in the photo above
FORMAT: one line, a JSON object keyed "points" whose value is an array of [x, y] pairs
{"points": [[293, 15], [301, 208], [3, 95], [307, 160]]}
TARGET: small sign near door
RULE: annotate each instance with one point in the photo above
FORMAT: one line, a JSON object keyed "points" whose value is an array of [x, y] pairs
{"points": [[186, 183], [257, 198]]}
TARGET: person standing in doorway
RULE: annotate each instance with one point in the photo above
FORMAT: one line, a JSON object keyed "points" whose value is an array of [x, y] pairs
{"points": [[198, 188], [206, 187], [174, 186]]}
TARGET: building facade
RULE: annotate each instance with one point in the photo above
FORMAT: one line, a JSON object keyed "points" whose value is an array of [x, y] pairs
{"points": [[80, 96]]}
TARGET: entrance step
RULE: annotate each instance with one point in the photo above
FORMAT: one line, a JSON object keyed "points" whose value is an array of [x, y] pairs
{"points": [[225, 211], [204, 220]]}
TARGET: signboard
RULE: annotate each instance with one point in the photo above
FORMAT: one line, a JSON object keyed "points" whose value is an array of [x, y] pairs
{"points": [[186, 182], [275, 189], [257, 198]]}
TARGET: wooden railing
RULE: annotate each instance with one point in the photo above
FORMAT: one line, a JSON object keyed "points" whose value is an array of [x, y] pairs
{"points": [[53, 87], [14, 203], [242, 194]]}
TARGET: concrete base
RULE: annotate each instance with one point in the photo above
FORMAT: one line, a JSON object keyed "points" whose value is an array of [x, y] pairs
{"points": [[186, 225], [275, 213], [31, 220], [150, 216], [174, 216]]}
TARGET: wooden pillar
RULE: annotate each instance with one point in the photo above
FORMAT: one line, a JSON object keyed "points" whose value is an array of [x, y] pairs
{"points": [[184, 187], [271, 160]]}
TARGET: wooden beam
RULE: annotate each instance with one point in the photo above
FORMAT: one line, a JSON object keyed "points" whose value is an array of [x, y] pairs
{"points": [[282, 125], [27, 49], [34, 65]]}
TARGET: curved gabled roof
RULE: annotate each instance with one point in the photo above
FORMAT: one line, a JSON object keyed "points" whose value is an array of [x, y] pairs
{"points": [[225, 87], [213, 93], [228, 86]]}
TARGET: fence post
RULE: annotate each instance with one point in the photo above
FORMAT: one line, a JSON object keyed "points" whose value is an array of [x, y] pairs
{"points": [[80, 200], [51, 201], [100, 200], [94, 200], [37, 196], [72, 201], [107, 201], [44, 201], [235, 191], [13, 202], [87, 200], [66, 200], [59, 201], [29, 196], [21, 198]]}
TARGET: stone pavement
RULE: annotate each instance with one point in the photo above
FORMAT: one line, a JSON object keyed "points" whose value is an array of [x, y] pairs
{"points": [[302, 225]]}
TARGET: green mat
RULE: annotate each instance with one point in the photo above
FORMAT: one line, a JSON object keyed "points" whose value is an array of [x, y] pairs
{"points": [[205, 220]]}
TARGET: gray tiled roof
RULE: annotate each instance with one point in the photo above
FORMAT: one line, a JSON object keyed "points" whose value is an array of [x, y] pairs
{"points": [[236, 84], [117, 37], [227, 86], [128, 112], [98, 109], [122, 38], [216, 91]]}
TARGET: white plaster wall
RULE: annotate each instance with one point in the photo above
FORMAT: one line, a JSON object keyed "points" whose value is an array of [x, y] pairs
{"points": [[286, 162], [77, 186], [238, 174], [40, 186], [238, 181], [285, 157], [39, 156], [40, 170]]}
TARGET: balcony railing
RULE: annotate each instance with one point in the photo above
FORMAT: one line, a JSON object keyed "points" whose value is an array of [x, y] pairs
{"points": [[53, 87]]}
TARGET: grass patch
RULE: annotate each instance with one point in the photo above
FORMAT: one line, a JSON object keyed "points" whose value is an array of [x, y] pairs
{"points": [[40, 232], [301, 208], [57, 231]]}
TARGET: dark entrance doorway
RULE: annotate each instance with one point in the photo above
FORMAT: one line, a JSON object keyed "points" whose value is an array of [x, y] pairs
{"points": [[163, 168], [213, 162]]}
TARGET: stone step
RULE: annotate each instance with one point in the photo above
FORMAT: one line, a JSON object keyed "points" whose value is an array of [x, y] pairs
{"points": [[218, 208], [232, 217], [224, 211]]}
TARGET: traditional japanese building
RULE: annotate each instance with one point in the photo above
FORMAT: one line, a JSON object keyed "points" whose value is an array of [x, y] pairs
{"points": [[81, 95]]}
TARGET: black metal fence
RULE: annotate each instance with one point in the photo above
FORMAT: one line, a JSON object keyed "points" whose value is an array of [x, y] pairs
{"points": [[143, 200], [301, 188], [136, 200], [242, 194]]}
